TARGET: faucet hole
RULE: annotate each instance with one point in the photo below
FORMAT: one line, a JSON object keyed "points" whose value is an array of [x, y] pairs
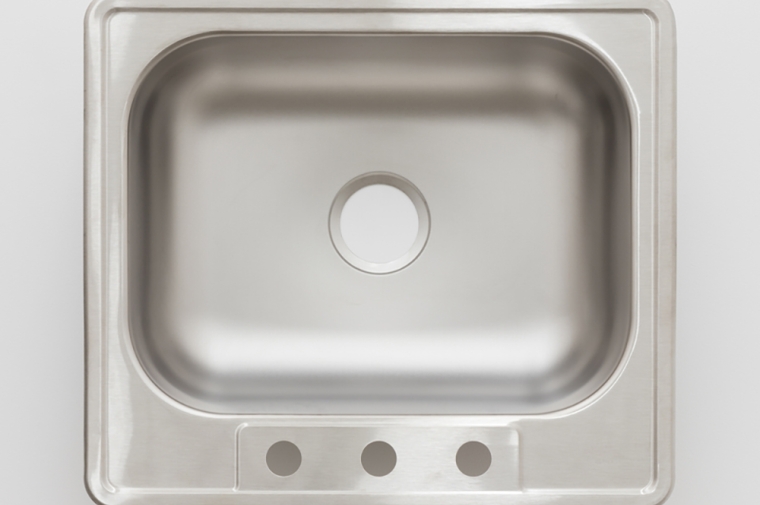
{"points": [[379, 459], [473, 459], [283, 458]]}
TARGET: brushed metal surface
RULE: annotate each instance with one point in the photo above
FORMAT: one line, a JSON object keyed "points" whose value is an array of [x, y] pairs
{"points": [[521, 300], [519, 352]]}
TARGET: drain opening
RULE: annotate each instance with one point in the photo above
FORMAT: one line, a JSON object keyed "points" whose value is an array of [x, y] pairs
{"points": [[473, 459], [379, 459], [283, 458], [379, 223]]}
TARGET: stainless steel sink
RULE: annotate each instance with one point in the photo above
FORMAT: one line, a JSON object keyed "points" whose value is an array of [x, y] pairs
{"points": [[380, 252]]}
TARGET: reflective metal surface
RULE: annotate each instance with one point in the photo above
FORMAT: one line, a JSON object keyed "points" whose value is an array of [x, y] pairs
{"points": [[372, 253], [521, 300]]}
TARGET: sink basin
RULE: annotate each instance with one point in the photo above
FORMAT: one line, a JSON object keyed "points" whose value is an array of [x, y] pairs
{"points": [[520, 300], [380, 253]]}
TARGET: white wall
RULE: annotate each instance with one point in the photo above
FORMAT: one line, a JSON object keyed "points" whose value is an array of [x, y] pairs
{"points": [[718, 338], [41, 343]]}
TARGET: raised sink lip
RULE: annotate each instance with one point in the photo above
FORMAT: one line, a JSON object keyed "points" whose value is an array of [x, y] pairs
{"points": [[99, 268]]}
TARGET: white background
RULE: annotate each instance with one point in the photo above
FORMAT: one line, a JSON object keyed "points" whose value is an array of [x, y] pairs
{"points": [[41, 320]]}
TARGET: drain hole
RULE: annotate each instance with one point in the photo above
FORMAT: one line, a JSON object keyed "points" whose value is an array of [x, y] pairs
{"points": [[473, 459], [379, 459], [379, 223], [283, 458]]}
